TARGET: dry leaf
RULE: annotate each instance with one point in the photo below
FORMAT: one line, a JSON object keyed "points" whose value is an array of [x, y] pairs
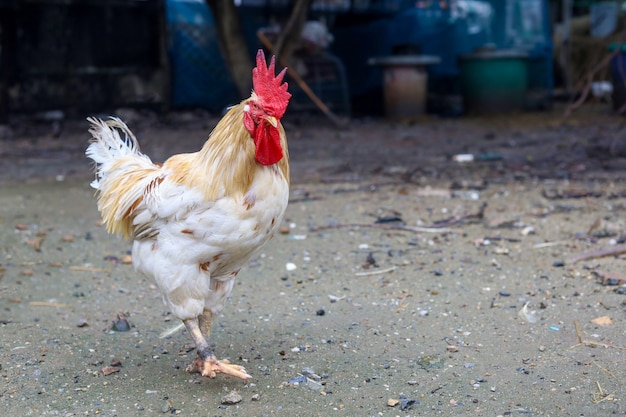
{"points": [[602, 321], [35, 243], [108, 370]]}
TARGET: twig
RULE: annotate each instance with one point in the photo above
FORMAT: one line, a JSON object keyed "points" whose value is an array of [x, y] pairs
{"points": [[601, 396], [605, 370], [590, 343], [88, 269], [549, 244], [589, 76], [415, 229], [598, 253], [610, 278], [48, 304], [303, 199], [376, 272], [469, 218], [171, 330]]}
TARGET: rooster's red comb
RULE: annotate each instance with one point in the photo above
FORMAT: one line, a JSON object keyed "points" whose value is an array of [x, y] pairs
{"points": [[270, 89]]}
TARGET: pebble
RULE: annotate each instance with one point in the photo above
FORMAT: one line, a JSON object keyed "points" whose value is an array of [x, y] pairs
{"points": [[430, 362], [120, 324], [406, 402], [314, 385], [297, 380], [620, 290], [233, 397], [392, 402], [290, 266], [166, 407]]}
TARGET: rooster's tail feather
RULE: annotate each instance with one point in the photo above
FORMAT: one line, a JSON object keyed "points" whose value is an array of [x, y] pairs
{"points": [[108, 146], [123, 173]]}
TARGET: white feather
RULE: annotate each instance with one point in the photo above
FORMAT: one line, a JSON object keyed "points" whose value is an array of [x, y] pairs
{"points": [[107, 146]]}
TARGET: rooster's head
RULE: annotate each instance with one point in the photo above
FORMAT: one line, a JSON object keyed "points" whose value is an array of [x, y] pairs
{"points": [[264, 109]]}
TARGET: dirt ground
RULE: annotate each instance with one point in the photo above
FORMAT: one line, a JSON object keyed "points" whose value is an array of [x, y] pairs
{"points": [[408, 284]]}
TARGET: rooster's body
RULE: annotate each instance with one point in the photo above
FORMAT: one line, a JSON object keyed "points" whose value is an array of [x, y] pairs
{"points": [[198, 218]]}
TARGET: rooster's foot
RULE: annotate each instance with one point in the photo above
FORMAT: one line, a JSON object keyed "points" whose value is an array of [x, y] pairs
{"points": [[210, 367]]}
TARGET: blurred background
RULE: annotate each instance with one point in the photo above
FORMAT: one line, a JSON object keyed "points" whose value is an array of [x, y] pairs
{"points": [[70, 58]]}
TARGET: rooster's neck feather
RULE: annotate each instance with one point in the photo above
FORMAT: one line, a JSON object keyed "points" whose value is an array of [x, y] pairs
{"points": [[226, 163]]}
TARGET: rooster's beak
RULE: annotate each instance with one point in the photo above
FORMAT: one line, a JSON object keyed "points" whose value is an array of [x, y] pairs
{"points": [[272, 120]]}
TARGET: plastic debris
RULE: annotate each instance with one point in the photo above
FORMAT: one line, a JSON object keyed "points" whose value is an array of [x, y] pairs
{"points": [[527, 315], [463, 157]]}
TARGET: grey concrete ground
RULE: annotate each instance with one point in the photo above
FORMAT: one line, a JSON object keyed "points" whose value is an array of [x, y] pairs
{"points": [[397, 288]]}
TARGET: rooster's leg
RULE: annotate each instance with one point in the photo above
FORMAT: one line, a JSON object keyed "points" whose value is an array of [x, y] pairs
{"points": [[206, 363]]}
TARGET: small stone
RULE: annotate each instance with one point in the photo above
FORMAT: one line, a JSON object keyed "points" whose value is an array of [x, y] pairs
{"points": [[392, 402], [314, 385], [127, 259], [120, 324], [406, 402], [255, 397], [297, 380], [430, 362], [233, 397], [320, 312]]}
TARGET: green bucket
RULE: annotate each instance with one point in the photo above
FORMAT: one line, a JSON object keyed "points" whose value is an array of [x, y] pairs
{"points": [[494, 81]]}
